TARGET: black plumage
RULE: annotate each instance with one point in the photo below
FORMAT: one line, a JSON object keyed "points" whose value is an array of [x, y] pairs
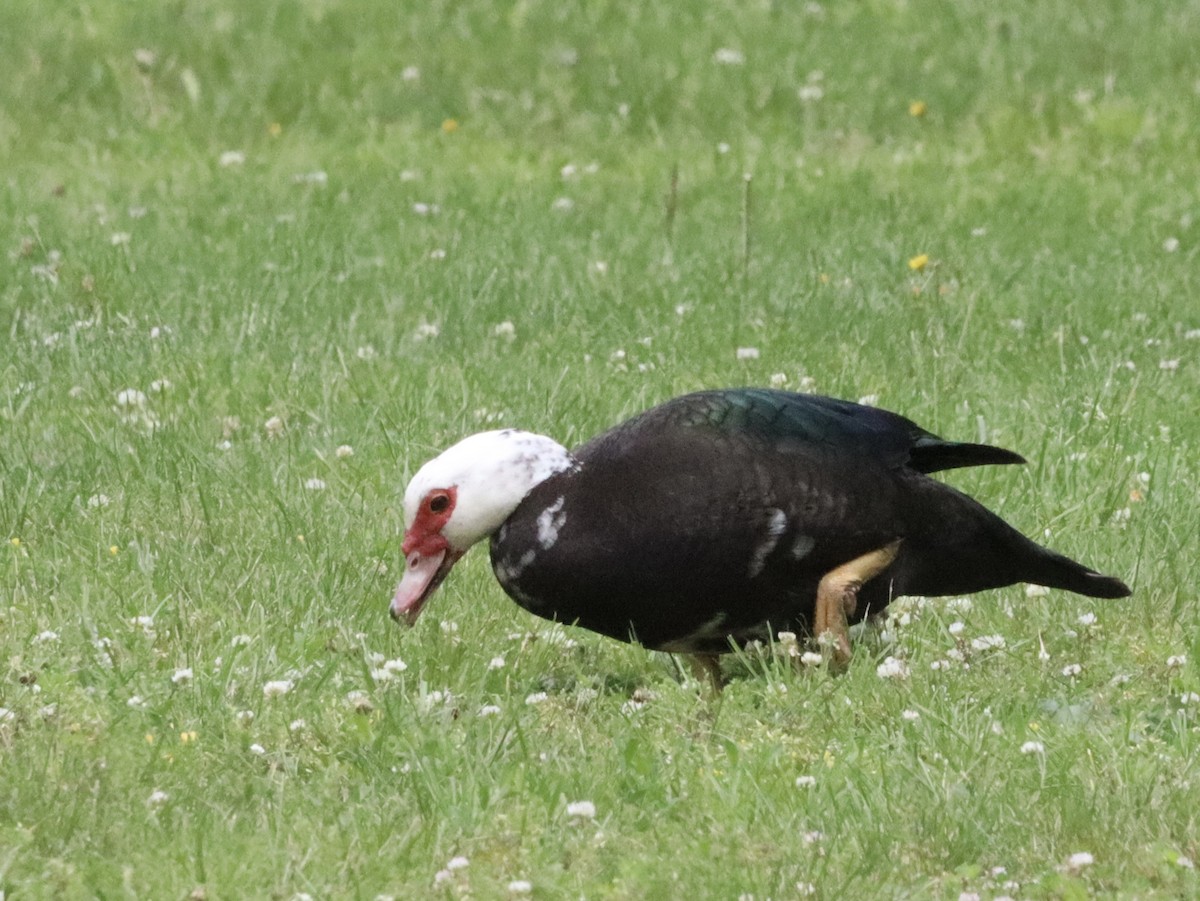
{"points": [[713, 518]]}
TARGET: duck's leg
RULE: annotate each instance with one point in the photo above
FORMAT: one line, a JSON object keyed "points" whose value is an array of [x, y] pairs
{"points": [[837, 599], [707, 666]]}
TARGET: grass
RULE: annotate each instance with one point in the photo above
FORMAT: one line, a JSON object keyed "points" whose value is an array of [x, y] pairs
{"points": [[1051, 180]]}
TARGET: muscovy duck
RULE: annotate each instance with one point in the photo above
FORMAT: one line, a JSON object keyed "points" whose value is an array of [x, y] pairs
{"points": [[722, 517]]}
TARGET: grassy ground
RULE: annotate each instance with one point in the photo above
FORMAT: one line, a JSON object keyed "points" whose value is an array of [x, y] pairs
{"points": [[241, 237]]}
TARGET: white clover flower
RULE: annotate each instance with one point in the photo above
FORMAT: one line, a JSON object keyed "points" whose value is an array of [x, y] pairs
{"points": [[581, 810], [410, 73], [1079, 860], [360, 701], [988, 643], [182, 676], [892, 668], [1170, 245], [442, 876], [520, 887], [395, 665], [957, 628], [496, 663], [343, 451], [382, 675], [1033, 747], [811, 658], [277, 687], [1036, 591], [438, 253], [137, 702], [120, 239], [98, 500], [46, 637], [489, 710], [239, 640], [157, 798], [748, 353], [257, 750], [537, 697], [1072, 669], [274, 427], [1087, 620], [6, 715], [789, 644], [435, 698], [910, 716], [244, 717], [426, 330], [1189, 697], [727, 56], [806, 781], [1185, 862], [1177, 661], [231, 158], [315, 484], [457, 863], [869, 400], [505, 329], [563, 205], [131, 397]]}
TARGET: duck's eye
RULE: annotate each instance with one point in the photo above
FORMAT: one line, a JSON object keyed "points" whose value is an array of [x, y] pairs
{"points": [[438, 503]]}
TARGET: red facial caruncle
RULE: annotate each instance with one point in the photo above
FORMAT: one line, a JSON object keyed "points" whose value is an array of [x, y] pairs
{"points": [[424, 533], [427, 553]]}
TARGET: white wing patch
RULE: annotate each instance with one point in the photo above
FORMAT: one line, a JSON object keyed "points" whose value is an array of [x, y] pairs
{"points": [[802, 545], [776, 526], [549, 522]]}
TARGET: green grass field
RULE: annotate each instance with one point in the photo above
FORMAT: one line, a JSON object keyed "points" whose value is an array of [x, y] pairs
{"points": [[263, 259]]}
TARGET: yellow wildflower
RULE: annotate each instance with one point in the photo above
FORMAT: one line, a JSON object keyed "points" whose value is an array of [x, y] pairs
{"points": [[274, 129], [918, 108], [450, 125], [189, 736], [114, 550], [919, 262]]}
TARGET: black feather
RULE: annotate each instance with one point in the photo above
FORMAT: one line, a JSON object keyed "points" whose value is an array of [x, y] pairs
{"points": [[710, 519]]}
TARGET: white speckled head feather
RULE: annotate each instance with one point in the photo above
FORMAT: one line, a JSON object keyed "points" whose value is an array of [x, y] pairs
{"points": [[492, 472]]}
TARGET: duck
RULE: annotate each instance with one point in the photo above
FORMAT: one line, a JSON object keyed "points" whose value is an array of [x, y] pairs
{"points": [[720, 518]]}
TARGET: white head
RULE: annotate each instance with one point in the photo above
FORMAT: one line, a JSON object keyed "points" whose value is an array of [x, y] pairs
{"points": [[462, 496]]}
